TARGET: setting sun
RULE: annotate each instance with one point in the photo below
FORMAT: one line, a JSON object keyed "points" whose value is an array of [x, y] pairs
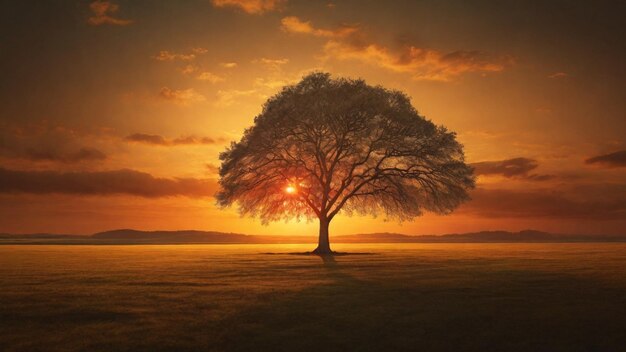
{"points": [[290, 189]]}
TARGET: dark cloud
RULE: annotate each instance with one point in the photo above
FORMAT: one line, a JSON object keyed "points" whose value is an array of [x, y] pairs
{"points": [[535, 177], [147, 138], [83, 154], [506, 168], [103, 183], [516, 167], [608, 203], [104, 13], [160, 140], [46, 144], [616, 159], [196, 140]]}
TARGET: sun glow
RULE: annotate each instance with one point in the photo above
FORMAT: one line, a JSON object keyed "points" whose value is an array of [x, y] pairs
{"points": [[290, 189]]}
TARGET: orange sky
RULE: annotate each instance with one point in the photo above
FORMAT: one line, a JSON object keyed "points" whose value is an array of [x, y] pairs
{"points": [[113, 113]]}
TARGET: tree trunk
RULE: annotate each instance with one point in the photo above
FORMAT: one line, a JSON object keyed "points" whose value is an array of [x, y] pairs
{"points": [[323, 245]]}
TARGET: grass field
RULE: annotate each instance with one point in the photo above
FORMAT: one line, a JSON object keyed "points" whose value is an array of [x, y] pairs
{"points": [[414, 297]]}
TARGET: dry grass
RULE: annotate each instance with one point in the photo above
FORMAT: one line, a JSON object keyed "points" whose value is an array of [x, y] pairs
{"points": [[431, 297]]}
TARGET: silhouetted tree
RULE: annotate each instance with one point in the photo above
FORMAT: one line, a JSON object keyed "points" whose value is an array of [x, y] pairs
{"points": [[325, 146]]}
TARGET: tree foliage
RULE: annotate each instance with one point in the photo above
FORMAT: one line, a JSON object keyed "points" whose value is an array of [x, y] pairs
{"points": [[343, 146]]}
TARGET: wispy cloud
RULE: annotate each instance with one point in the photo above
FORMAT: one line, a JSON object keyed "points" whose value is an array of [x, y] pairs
{"points": [[420, 63], [212, 169], [113, 182], [511, 168], [189, 69], [153, 139], [166, 55], [182, 97], [250, 6], [293, 24], [229, 97], [103, 12], [350, 42], [272, 83], [209, 77], [558, 75], [278, 78], [611, 160], [273, 64], [199, 50], [228, 64]]}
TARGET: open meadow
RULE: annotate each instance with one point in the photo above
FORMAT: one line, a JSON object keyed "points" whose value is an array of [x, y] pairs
{"points": [[430, 297]]}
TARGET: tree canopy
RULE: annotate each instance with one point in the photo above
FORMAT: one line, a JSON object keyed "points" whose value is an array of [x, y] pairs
{"points": [[328, 145]]}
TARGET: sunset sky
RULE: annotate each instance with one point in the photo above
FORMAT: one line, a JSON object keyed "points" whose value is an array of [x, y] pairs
{"points": [[114, 113]]}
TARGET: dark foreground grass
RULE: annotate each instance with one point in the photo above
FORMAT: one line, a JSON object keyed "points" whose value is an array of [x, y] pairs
{"points": [[428, 297]]}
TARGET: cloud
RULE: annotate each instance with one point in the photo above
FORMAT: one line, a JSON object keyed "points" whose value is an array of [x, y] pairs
{"points": [[609, 203], [189, 69], [147, 139], [250, 6], [516, 167], [40, 143], [228, 97], [153, 139], [209, 77], [228, 64], [182, 97], [536, 177], [293, 24], [349, 42], [420, 63], [279, 79], [272, 83], [83, 154], [274, 64], [507, 168], [199, 50], [103, 13], [558, 75], [123, 181], [267, 61], [212, 168], [611, 160], [166, 55]]}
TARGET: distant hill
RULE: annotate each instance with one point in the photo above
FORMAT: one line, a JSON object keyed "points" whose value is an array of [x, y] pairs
{"points": [[174, 236], [478, 237], [129, 236], [51, 236]]}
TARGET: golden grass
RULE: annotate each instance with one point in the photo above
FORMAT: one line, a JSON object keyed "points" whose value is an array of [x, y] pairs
{"points": [[431, 297]]}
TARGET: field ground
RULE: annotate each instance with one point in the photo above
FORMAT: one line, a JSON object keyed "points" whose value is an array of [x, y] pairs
{"points": [[428, 297]]}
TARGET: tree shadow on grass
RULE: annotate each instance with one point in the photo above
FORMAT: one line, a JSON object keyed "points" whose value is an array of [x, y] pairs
{"points": [[520, 310], [345, 304]]}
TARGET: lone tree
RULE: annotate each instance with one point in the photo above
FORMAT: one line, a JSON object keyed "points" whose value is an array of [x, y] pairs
{"points": [[325, 146]]}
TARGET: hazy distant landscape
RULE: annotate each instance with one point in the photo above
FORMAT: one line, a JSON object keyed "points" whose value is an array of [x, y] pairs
{"points": [[432, 297], [128, 236]]}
